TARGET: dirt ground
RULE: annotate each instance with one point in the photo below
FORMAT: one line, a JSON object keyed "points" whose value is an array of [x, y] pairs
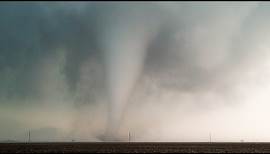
{"points": [[137, 147]]}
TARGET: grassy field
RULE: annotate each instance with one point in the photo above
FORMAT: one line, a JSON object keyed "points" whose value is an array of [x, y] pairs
{"points": [[137, 147]]}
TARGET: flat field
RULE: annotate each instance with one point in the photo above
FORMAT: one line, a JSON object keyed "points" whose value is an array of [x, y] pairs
{"points": [[134, 147]]}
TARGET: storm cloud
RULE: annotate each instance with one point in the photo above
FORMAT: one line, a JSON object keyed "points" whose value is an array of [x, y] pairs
{"points": [[173, 66]]}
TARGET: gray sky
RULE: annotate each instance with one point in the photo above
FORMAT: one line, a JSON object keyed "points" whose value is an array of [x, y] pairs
{"points": [[166, 71]]}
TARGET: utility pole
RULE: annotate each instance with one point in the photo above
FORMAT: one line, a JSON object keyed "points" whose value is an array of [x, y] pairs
{"points": [[29, 136], [128, 136], [210, 137]]}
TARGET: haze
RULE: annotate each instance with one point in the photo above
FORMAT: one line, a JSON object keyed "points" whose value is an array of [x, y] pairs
{"points": [[163, 71]]}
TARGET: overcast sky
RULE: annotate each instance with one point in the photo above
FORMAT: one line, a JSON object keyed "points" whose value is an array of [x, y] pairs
{"points": [[165, 71]]}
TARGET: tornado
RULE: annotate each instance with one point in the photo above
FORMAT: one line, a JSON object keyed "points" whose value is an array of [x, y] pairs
{"points": [[124, 61], [124, 41]]}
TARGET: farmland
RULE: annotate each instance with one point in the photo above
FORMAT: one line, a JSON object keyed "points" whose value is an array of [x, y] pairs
{"points": [[134, 147]]}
